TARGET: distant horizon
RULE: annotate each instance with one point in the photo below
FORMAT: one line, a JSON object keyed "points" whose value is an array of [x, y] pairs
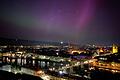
{"points": [[65, 42]]}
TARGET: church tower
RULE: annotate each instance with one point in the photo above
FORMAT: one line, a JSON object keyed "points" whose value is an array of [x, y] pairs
{"points": [[114, 49]]}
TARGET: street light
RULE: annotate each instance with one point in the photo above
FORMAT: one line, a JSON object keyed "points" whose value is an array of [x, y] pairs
{"points": [[61, 42]]}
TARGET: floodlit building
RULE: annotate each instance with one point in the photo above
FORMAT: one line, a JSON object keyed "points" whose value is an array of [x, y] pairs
{"points": [[114, 49]]}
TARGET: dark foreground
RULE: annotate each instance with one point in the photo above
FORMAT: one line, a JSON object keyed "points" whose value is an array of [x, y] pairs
{"points": [[4, 75]]}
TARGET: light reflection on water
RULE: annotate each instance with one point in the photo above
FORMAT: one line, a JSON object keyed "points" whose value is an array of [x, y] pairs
{"points": [[19, 61], [42, 64], [31, 63]]}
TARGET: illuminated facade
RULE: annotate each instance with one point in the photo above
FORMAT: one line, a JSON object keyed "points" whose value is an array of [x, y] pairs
{"points": [[101, 50], [114, 49]]}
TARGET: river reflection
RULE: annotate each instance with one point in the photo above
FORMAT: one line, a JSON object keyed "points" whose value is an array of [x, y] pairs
{"points": [[31, 63], [86, 70]]}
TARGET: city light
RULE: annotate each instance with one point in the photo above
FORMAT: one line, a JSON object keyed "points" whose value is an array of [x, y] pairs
{"points": [[59, 40]]}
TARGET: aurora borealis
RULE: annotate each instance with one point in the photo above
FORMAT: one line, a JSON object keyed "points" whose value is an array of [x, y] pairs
{"points": [[83, 21]]}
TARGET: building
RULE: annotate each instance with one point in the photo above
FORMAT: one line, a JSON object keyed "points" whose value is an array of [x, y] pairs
{"points": [[114, 48]]}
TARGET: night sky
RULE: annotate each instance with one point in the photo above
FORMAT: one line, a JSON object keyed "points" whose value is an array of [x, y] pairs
{"points": [[81, 21]]}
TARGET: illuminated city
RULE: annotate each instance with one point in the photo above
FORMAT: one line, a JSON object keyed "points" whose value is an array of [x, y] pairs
{"points": [[59, 40]]}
